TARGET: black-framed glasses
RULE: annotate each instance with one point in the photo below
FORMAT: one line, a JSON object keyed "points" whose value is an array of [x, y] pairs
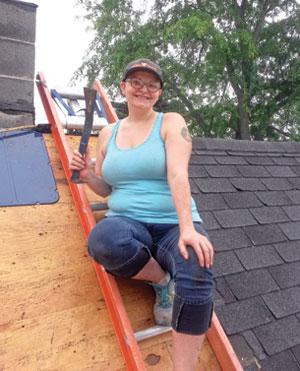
{"points": [[152, 86]]}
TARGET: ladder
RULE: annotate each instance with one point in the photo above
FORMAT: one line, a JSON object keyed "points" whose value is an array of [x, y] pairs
{"points": [[127, 339]]}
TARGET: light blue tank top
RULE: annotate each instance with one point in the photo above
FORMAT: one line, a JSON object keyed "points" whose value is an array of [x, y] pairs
{"points": [[138, 179]]}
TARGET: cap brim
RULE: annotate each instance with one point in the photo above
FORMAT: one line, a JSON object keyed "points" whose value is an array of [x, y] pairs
{"points": [[144, 69]]}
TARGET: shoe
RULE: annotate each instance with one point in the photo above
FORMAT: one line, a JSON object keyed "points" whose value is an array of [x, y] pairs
{"points": [[163, 306]]}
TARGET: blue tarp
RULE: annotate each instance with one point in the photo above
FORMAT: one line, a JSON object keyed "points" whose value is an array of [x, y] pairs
{"points": [[26, 176]]}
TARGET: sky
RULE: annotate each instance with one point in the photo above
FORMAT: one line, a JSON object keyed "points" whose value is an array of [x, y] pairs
{"points": [[61, 43]]}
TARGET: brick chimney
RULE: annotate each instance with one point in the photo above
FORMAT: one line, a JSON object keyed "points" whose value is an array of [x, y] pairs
{"points": [[17, 48]]}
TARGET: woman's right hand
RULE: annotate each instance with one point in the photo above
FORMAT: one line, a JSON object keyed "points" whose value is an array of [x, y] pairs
{"points": [[82, 163]]}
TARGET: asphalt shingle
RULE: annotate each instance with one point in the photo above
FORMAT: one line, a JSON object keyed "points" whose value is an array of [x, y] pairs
{"points": [[215, 185], [268, 215], [226, 263], [209, 221], [279, 362], [294, 195], [289, 251], [231, 160], [203, 159], [286, 275], [259, 160], [284, 302], [293, 212], [247, 184], [229, 239], [253, 171], [225, 171], [209, 202], [263, 234], [296, 353], [244, 315], [279, 335], [234, 218], [291, 230], [277, 184], [259, 257], [249, 197], [254, 344], [274, 198], [224, 290], [241, 200], [197, 171], [247, 284], [285, 161], [281, 171]]}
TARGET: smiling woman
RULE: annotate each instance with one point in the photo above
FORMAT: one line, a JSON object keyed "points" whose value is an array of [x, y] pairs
{"points": [[152, 230]]}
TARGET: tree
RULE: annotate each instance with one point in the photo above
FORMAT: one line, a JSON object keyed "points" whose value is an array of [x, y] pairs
{"points": [[231, 66]]}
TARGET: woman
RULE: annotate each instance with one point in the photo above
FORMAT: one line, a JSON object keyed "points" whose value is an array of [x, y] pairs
{"points": [[152, 230]]}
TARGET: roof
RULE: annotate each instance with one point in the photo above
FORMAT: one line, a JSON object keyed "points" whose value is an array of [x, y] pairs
{"points": [[248, 194]]}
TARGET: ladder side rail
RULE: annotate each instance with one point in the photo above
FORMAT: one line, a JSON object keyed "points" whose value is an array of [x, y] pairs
{"points": [[123, 329], [108, 108]]}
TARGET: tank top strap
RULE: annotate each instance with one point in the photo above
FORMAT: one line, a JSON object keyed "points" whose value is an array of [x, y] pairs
{"points": [[157, 125], [112, 139]]}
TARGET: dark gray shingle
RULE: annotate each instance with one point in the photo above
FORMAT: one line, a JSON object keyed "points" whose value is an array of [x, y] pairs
{"points": [[274, 198], [197, 171], [209, 221], [293, 212], [234, 218], [279, 362], [279, 335], [247, 184], [291, 230], [281, 171], [224, 290], [286, 275], [226, 263], [219, 171], [254, 344], [259, 160], [289, 251], [241, 200], [268, 215], [231, 160], [229, 239], [294, 196], [284, 303], [251, 171], [216, 185], [263, 234], [247, 284], [258, 257], [209, 202], [277, 184], [243, 315]]}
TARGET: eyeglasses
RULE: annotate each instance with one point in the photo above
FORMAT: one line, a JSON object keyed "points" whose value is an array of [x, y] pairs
{"points": [[138, 84]]}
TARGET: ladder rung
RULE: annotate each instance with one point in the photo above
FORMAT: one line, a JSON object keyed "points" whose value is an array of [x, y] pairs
{"points": [[77, 122], [151, 332], [97, 206]]}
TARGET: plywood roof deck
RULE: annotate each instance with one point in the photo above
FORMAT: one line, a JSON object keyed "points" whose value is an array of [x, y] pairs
{"points": [[53, 315]]}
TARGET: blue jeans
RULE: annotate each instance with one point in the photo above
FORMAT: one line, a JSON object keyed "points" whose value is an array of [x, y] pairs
{"points": [[123, 246]]}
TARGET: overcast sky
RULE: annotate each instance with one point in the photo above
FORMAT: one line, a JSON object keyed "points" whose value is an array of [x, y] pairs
{"points": [[61, 42]]}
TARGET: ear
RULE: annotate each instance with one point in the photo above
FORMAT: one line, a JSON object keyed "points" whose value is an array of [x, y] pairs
{"points": [[122, 87]]}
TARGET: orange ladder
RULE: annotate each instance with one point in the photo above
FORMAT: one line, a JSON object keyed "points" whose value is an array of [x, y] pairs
{"points": [[128, 340]]}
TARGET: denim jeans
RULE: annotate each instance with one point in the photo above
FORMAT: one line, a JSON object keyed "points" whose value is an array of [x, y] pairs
{"points": [[123, 246]]}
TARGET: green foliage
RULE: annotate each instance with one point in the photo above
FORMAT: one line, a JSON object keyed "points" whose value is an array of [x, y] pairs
{"points": [[231, 67]]}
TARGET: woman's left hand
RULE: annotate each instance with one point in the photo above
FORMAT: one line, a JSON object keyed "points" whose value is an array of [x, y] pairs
{"points": [[201, 245]]}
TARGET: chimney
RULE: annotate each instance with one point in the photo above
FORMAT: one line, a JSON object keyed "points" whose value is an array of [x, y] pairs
{"points": [[17, 39]]}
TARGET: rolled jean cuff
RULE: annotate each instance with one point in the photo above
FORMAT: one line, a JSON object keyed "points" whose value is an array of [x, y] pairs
{"points": [[191, 319]]}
